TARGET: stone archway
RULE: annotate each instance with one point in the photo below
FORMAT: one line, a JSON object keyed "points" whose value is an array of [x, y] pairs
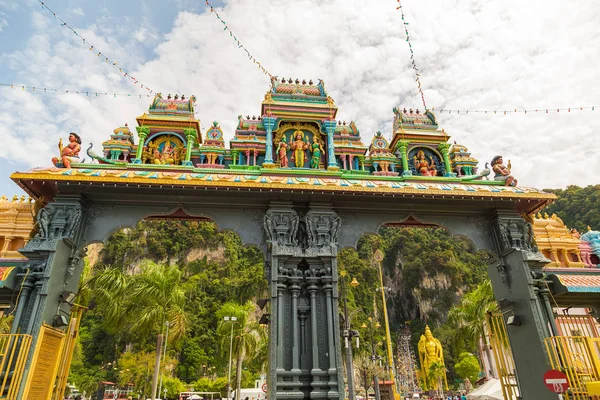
{"points": [[300, 229]]}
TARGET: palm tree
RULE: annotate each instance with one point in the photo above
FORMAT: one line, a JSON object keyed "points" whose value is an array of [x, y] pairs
{"points": [[247, 334], [143, 303], [436, 372], [469, 316]]}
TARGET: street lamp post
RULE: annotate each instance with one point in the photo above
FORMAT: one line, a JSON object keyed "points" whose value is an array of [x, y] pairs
{"points": [[164, 356], [378, 256], [373, 357], [232, 320], [347, 335]]}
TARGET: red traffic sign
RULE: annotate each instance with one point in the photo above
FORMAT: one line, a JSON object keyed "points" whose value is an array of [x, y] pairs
{"points": [[556, 381], [264, 387]]}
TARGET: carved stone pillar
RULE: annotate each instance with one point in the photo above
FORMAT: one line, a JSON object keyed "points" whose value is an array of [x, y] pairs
{"points": [[190, 135], [402, 148], [443, 148], [331, 162], [304, 333], [54, 257], [269, 124], [515, 279], [143, 133]]}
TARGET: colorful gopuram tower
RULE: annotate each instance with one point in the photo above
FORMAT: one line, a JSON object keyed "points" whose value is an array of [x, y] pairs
{"points": [[556, 242], [16, 223]]}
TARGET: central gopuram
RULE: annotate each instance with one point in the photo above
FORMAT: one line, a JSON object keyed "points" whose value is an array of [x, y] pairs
{"points": [[300, 185]]}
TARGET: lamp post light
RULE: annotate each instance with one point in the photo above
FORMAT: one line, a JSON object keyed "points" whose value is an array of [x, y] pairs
{"points": [[232, 320], [373, 356], [164, 357], [348, 334], [378, 257]]}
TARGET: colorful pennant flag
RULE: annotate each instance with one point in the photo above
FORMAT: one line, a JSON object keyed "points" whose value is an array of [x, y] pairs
{"points": [[239, 44], [412, 54], [87, 43]]}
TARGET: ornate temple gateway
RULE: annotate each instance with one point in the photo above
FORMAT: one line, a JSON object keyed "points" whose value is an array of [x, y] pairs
{"points": [[299, 185]]}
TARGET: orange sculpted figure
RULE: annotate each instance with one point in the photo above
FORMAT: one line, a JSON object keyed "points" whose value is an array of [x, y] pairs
{"points": [[502, 173], [69, 152], [424, 167], [282, 153]]}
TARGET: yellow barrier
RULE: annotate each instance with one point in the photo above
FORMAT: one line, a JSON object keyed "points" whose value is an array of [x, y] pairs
{"points": [[577, 357], [507, 372], [13, 355], [67, 353]]}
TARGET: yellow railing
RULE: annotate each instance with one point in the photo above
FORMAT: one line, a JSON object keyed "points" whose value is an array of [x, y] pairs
{"points": [[578, 358], [13, 355], [507, 372], [577, 325], [67, 353]]}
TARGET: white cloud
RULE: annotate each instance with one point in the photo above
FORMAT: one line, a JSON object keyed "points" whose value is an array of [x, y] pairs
{"points": [[3, 23], [77, 11], [472, 54]]}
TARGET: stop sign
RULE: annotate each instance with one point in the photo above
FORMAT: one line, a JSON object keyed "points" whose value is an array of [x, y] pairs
{"points": [[556, 381]]}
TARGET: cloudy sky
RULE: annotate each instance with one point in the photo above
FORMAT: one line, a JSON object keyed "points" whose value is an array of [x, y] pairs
{"points": [[473, 55]]}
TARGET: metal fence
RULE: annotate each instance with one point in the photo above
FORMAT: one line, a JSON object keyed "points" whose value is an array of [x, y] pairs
{"points": [[507, 373], [578, 358], [67, 352], [13, 355]]}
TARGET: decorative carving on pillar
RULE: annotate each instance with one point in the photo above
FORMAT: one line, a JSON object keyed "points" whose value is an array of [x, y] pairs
{"points": [[322, 227], [504, 272], [304, 342], [516, 234], [56, 221], [281, 227]]}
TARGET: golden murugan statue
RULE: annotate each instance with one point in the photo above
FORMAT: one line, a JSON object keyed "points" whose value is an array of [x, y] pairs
{"points": [[299, 146], [430, 352]]}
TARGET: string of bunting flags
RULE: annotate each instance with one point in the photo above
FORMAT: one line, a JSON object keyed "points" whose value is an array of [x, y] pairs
{"points": [[239, 44], [99, 54], [516, 110], [412, 54], [87, 93]]}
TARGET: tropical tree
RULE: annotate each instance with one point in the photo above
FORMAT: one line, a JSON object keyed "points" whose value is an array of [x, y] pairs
{"points": [[247, 334], [469, 317], [467, 366], [367, 370], [143, 303], [436, 373]]}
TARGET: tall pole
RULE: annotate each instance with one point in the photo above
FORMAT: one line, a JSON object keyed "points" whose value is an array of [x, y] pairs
{"points": [[374, 359], [347, 341], [164, 357], [232, 319], [378, 256]]}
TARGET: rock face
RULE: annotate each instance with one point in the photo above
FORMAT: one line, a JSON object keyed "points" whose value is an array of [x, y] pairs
{"points": [[426, 271]]}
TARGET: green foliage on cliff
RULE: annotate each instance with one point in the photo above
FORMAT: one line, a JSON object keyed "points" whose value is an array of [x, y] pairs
{"points": [[578, 207], [212, 267]]}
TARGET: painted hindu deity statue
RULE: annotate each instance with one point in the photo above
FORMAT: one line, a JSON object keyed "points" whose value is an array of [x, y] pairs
{"points": [[68, 153], [424, 167], [299, 146], [431, 354], [317, 149], [502, 173], [169, 154], [282, 153]]}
